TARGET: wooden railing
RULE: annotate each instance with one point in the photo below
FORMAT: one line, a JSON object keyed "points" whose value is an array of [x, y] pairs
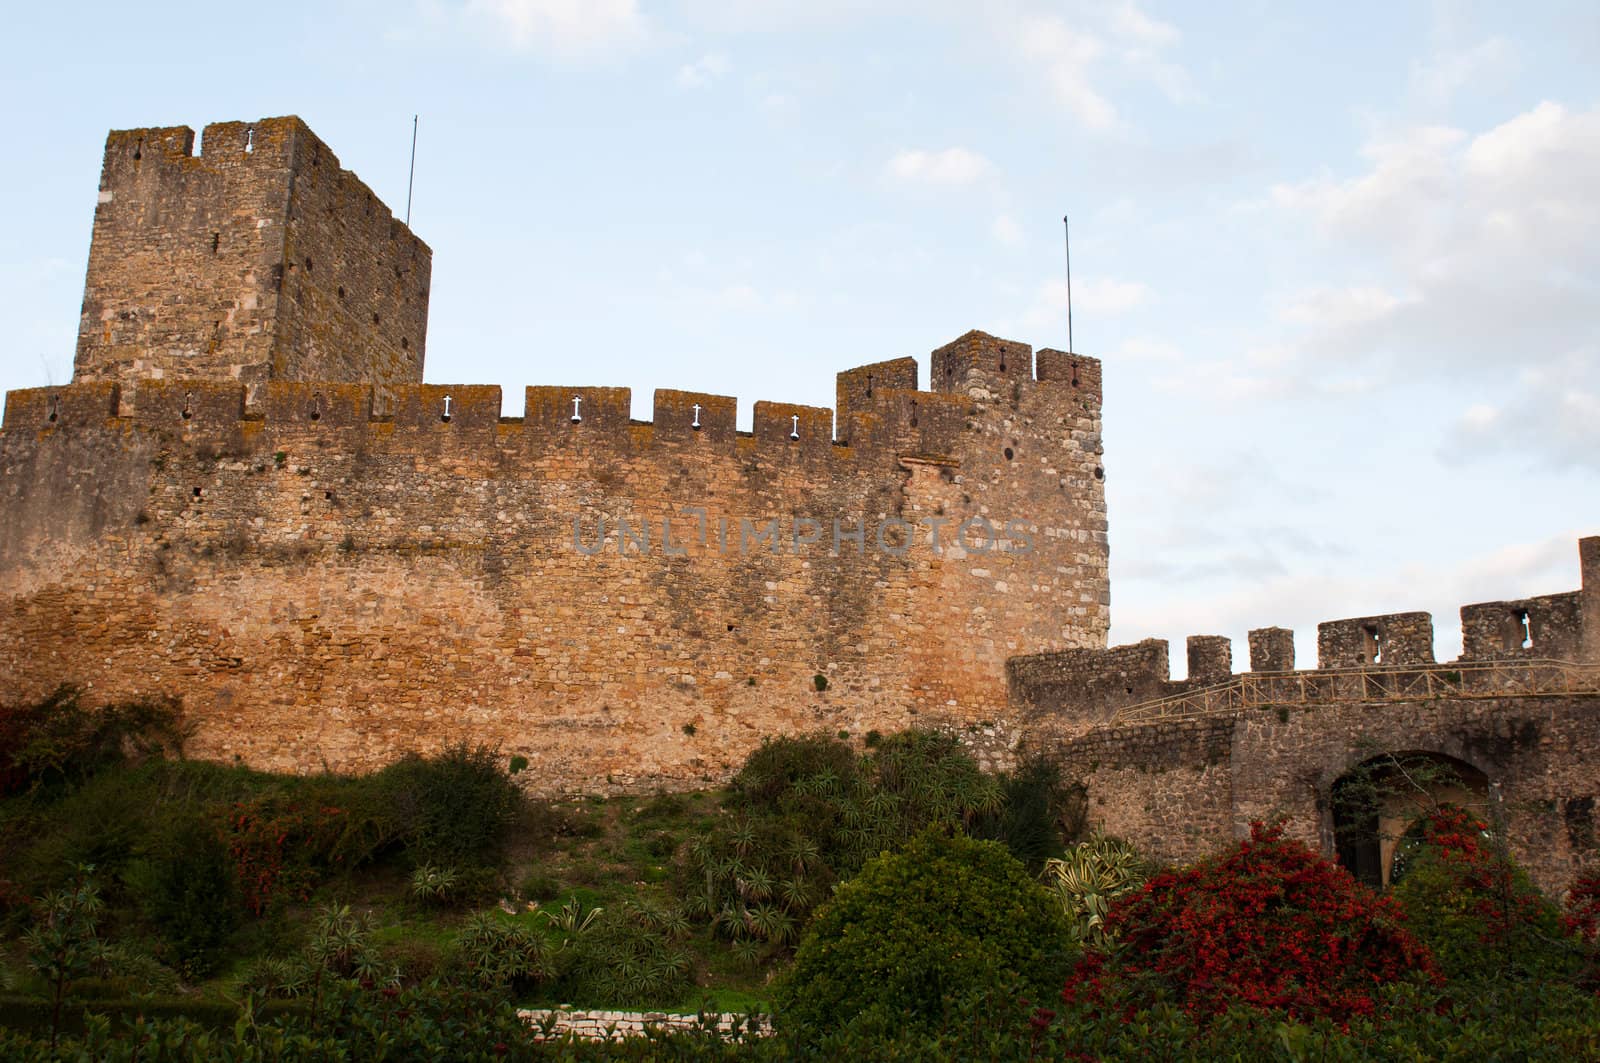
{"points": [[1530, 677]]}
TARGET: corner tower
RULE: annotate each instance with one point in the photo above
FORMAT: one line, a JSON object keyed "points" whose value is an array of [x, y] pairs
{"points": [[256, 259]]}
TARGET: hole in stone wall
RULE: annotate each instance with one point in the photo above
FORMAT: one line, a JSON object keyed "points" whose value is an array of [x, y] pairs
{"points": [[53, 408], [250, 140], [1010, 454], [696, 423], [869, 385], [577, 405], [216, 242], [197, 493], [794, 432], [1074, 374], [375, 319], [1371, 644], [308, 265], [1518, 634], [1099, 473], [138, 150], [445, 415], [341, 291], [188, 405], [405, 344]]}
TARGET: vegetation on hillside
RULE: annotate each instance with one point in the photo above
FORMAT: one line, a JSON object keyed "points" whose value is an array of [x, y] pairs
{"points": [[889, 899]]}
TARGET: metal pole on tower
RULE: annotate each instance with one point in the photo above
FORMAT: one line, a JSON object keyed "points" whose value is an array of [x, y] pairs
{"points": [[411, 178], [1067, 232]]}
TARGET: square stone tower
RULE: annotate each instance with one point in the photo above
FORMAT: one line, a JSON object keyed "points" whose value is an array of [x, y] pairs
{"points": [[257, 259]]}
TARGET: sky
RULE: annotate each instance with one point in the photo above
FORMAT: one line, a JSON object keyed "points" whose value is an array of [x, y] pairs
{"points": [[1342, 262]]}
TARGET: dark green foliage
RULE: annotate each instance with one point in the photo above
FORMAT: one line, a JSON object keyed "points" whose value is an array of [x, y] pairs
{"points": [[186, 888], [452, 809], [917, 930], [634, 956], [1039, 811], [59, 741]]}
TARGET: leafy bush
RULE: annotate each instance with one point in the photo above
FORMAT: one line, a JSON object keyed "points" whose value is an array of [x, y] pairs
{"points": [[1038, 810], [282, 847], [1476, 910], [1270, 925], [916, 930], [451, 809], [186, 887], [58, 740]]}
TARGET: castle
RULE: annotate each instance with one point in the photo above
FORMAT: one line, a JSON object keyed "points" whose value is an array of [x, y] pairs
{"points": [[247, 498]]}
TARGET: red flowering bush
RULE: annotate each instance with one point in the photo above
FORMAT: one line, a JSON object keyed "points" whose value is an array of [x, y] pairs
{"points": [[1475, 909], [278, 848], [1271, 925], [1582, 915]]}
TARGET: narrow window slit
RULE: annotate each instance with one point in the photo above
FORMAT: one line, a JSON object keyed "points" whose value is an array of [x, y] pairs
{"points": [[54, 408], [577, 404], [794, 432], [696, 424], [445, 416]]}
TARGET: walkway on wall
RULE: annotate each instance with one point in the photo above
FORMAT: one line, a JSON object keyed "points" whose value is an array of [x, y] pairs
{"points": [[1522, 678]]}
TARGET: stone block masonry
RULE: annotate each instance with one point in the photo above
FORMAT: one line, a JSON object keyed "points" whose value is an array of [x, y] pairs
{"points": [[257, 258], [247, 498]]}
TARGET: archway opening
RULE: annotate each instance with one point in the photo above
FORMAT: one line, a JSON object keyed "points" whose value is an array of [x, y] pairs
{"points": [[1379, 806]]}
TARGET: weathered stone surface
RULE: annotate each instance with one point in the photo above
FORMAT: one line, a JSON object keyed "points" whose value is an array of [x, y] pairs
{"points": [[256, 259]]}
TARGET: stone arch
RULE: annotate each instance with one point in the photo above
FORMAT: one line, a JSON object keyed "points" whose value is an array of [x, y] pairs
{"points": [[1374, 801]]}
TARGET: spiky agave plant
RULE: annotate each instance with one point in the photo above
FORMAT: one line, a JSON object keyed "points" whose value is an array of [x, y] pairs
{"points": [[1092, 875]]}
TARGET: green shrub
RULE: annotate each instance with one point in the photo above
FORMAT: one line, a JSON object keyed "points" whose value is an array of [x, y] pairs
{"points": [[918, 929], [1039, 810], [451, 809], [1476, 910], [434, 885], [186, 888], [631, 958], [539, 887], [58, 740], [498, 954]]}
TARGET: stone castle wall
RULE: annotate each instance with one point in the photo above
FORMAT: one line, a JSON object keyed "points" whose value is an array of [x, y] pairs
{"points": [[1182, 787], [323, 584]]}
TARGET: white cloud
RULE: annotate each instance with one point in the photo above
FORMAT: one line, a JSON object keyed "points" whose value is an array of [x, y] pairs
{"points": [[952, 166], [1129, 22], [1436, 80], [567, 28], [1006, 230], [1476, 264], [1105, 296], [1066, 54], [703, 71], [1552, 412]]}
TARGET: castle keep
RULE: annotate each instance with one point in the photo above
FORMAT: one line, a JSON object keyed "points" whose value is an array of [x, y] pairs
{"points": [[247, 498]]}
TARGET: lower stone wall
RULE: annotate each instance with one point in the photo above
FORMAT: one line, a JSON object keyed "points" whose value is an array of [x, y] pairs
{"points": [[1180, 790], [1166, 787], [552, 1024]]}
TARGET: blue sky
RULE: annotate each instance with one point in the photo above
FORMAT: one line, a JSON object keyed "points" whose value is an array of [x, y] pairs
{"points": [[1341, 261]]}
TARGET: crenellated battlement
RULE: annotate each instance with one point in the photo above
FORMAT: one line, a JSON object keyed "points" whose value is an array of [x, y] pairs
{"points": [[877, 419], [1093, 685]]}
